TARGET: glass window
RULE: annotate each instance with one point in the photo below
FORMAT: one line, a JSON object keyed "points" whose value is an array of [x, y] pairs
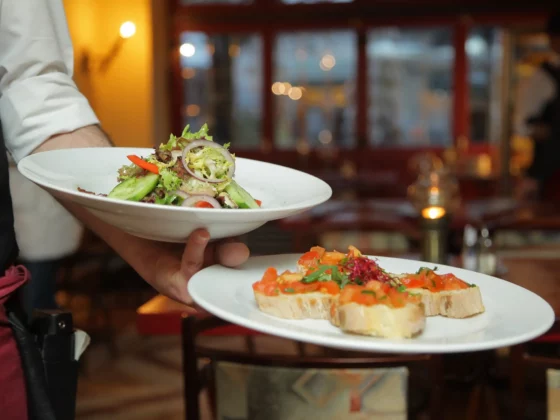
{"points": [[314, 81], [222, 77], [410, 86], [484, 55]]}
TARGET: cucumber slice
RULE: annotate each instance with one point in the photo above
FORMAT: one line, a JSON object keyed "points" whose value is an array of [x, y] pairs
{"points": [[241, 197], [135, 189]]}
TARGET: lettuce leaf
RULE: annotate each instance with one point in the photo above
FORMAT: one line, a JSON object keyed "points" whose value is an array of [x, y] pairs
{"points": [[128, 171], [169, 180], [186, 137]]}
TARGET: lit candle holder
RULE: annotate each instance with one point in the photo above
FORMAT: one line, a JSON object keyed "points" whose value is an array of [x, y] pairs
{"points": [[435, 197]]}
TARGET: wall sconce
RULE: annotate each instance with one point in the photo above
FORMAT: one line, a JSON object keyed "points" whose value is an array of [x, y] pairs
{"points": [[126, 31], [435, 196]]}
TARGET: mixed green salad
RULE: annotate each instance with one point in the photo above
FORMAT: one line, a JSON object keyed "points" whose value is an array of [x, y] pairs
{"points": [[190, 171]]}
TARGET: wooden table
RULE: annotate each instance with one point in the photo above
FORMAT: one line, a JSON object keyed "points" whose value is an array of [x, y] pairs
{"points": [[398, 215], [163, 316]]}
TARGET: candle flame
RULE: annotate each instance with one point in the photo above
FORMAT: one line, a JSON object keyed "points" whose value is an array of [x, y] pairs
{"points": [[433, 213]]}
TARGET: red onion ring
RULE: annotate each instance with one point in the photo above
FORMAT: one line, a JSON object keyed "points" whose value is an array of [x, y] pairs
{"points": [[191, 201], [206, 143]]}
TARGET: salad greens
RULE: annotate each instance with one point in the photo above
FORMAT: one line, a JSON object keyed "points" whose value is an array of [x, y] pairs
{"points": [[191, 171]]}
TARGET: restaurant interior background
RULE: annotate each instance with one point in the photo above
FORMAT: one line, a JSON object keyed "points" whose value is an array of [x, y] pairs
{"points": [[350, 91]]}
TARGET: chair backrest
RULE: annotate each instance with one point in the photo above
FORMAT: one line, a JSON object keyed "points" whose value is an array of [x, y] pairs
{"points": [[238, 381], [553, 391], [245, 391]]}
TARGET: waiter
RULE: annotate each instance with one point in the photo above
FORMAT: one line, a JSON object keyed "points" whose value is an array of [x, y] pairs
{"points": [[41, 109], [538, 117]]}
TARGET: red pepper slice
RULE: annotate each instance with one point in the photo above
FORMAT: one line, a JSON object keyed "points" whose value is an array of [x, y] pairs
{"points": [[259, 202], [143, 164]]}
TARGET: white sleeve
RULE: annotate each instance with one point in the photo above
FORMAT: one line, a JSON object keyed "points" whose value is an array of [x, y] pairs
{"points": [[38, 97], [532, 96]]}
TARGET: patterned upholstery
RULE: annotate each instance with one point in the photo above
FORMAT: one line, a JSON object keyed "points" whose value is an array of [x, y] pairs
{"points": [[553, 376], [272, 393]]}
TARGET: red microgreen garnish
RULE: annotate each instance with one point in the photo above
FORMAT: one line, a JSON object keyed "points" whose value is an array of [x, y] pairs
{"points": [[363, 269]]}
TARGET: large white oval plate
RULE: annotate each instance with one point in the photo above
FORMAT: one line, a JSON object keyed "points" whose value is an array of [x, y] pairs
{"points": [[283, 191], [513, 314]]}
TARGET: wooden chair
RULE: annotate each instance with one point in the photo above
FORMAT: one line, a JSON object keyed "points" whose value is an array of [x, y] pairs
{"points": [[196, 379], [520, 359]]}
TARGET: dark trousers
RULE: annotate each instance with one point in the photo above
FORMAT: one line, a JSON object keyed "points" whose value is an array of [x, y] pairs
{"points": [[39, 292]]}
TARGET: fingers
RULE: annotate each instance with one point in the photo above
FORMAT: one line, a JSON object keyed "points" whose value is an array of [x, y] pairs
{"points": [[232, 254], [193, 256], [170, 280]]}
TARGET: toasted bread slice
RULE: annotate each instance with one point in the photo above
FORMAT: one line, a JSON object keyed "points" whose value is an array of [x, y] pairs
{"points": [[380, 320], [313, 305], [462, 303], [378, 310]]}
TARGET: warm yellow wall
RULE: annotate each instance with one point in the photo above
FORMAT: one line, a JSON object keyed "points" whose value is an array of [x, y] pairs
{"points": [[122, 96]]}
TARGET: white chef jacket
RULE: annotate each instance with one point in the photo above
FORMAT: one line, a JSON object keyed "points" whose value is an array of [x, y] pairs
{"points": [[38, 99], [533, 95]]}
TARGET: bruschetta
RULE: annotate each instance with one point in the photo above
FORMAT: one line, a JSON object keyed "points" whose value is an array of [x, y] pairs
{"points": [[444, 294], [343, 289], [357, 295], [290, 296]]}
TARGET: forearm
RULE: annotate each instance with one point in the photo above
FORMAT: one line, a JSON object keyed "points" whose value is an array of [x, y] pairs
{"points": [[136, 251]]}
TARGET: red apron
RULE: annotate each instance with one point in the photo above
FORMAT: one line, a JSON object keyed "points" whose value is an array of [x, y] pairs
{"points": [[13, 399]]}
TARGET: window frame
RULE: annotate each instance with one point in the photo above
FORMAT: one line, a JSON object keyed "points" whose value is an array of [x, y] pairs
{"points": [[359, 16]]}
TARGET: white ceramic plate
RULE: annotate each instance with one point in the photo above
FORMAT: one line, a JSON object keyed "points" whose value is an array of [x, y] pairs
{"points": [[283, 192], [513, 314]]}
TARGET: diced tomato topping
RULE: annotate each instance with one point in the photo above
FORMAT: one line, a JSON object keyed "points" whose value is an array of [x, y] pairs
{"points": [[309, 259], [414, 281], [374, 294], [332, 258], [288, 282], [270, 275], [433, 282]]}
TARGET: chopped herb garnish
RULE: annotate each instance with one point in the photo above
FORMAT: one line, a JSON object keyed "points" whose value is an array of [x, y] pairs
{"points": [[472, 285], [433, 283], [383, 297], [401, 288], [318, 274], [336, 275], [289, 290], [368, 292], [423, 269]]}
